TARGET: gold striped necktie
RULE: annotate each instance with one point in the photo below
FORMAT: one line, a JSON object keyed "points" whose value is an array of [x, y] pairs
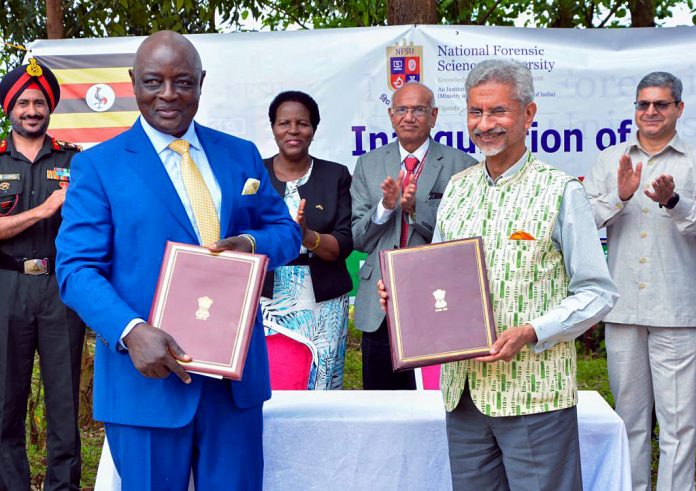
{"points": [[198, 194]]}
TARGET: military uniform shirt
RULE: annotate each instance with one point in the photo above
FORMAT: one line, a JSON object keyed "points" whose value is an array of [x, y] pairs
{"points": [[25, 185]]}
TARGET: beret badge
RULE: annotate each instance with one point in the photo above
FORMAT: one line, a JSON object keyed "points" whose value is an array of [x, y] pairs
{"points": [[33, 68]]}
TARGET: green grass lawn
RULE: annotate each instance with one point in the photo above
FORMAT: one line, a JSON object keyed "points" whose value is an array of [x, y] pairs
{"points": [[592, 375]]}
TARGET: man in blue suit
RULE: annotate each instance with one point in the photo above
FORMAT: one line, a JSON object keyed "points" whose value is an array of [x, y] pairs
{"points": [[128, 196]]}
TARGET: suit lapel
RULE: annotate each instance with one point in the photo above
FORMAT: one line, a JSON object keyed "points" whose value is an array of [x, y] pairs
{"points": [[431, 171], [392, 163], [146, 163], [219, 160]]}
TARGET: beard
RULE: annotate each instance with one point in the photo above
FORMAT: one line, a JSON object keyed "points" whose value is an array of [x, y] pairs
{"points": [[27, 133], [489, 150]]}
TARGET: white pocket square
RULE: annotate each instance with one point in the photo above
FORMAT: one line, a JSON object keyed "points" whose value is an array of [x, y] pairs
{"points": [[251, 186]]}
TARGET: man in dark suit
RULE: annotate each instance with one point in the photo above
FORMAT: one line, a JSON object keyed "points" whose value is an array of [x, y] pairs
{"points": [[168, 178], [396, 191]]}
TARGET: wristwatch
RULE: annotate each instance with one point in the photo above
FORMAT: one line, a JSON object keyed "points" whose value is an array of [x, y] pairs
{"points": [[672, 202]]}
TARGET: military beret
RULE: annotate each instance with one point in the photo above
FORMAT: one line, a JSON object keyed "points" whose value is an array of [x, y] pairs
{"points": [[33, 76]]}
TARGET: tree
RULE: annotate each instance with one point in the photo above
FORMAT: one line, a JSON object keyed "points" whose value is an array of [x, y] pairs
{"points": [[22, 21], [54, 19], [411, 12]]}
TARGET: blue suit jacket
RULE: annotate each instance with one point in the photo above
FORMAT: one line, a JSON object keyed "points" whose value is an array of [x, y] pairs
{"points": [[121, 208]]}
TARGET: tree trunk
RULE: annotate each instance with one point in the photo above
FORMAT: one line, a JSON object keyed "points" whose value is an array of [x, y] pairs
{"points": [[564, 14], [54, 19], [400, 12], [642, 13]]}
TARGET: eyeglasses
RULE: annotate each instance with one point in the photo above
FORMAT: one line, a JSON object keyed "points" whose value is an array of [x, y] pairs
{"points": [[497, 113], [415, 110], [658, 105]]}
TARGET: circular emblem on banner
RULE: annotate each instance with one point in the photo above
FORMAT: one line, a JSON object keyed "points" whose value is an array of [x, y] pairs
{"points": [[4, 186], [100, 97], [412, 65]]}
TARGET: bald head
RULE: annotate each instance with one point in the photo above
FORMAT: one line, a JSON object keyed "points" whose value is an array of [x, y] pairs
{"points": [[167, 77], [412, 114], [414, 86], [167, 40]]}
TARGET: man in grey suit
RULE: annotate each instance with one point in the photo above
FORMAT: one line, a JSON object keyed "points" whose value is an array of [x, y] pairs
{"points": [[396, 190]]}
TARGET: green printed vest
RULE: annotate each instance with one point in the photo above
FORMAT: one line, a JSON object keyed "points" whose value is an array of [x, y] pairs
{"points": [[527, 279]]}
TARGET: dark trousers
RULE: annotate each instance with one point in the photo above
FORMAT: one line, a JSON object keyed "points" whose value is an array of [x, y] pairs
{"points": [[537, 452], [376, 363], [223, 445], [32, 318]]}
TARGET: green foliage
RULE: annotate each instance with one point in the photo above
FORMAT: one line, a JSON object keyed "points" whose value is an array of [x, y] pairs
{"points": [[4, 120], [352, 370], [92, 433], [22, 21], [592, 375]]}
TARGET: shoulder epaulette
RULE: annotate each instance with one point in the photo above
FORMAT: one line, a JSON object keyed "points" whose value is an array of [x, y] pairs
{"points": [[3, 146], [61, 145]]}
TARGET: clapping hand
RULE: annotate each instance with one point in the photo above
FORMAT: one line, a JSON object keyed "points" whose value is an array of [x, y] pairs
{"points": [[663, 189], [628, 179], [408, 199], [391, 191], [300, 219]]}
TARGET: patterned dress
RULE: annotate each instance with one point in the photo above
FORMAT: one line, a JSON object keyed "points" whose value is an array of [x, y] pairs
{"points": [[293, 306]]}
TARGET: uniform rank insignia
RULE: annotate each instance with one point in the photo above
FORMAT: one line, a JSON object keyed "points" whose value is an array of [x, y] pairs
{"points": [[58, 174]]}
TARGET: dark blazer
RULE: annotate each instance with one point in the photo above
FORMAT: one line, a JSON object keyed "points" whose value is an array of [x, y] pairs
{"points": [[327, 211]]}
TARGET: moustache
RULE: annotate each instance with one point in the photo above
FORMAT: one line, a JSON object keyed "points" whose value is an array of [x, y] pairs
{"points": [[493, 131], [36, 117]]}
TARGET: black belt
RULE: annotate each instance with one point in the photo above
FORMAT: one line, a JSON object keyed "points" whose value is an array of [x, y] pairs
{"points": [[26, 265], [301, 260]]}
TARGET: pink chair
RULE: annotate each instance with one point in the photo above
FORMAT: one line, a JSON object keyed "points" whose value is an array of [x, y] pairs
{"points": [[428, 378], [292, 359]]}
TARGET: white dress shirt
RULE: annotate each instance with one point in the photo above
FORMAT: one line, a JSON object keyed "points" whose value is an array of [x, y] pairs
{"points": [[652, 250]]}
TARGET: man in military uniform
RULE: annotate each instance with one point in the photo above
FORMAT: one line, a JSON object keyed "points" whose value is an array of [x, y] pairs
{"points": [[34, 174]]}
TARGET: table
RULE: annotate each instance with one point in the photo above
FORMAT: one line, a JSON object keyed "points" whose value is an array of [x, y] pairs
{"points": [[380, 440]]}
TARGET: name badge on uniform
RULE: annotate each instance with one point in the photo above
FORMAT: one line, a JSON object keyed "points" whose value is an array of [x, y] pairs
{"points": [[10, 188], [58, 174]]}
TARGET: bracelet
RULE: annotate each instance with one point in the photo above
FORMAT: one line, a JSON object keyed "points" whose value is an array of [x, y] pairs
{"points": [[316, 242], [251, 240]]}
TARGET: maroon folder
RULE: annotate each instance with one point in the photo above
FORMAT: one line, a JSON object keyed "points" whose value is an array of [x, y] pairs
{"points": [[208, 303], [439, 307]]}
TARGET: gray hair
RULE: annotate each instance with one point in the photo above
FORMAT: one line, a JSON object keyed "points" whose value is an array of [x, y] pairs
{"points": [[662, 79], [506, 72], [431, 95]]}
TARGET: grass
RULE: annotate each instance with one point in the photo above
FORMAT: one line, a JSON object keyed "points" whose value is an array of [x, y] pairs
{"points": [[592, 375]]}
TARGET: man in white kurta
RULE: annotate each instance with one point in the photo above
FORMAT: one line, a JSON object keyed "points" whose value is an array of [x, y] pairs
{"points": [[642, 191]]}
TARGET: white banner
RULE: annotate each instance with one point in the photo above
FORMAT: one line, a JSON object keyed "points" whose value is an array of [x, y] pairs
{"points": [[585, 83]]}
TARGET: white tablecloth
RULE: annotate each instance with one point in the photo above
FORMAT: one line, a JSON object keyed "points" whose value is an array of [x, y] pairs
{"points": [[360, 440]]}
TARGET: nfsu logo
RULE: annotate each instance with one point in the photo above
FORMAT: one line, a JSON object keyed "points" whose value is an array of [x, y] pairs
{"points": [[403, 65]]}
